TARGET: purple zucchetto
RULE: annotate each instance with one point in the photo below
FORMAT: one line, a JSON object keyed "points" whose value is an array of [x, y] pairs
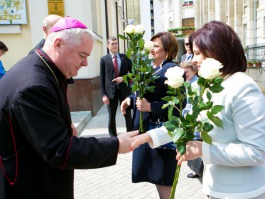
{"points": [[67, 23]]}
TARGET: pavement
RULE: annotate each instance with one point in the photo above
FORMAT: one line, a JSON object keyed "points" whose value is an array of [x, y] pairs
{"points": [[114, 182]]}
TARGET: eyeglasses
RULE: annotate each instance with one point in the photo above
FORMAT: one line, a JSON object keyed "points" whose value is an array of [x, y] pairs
{"points": [[187, 44]]}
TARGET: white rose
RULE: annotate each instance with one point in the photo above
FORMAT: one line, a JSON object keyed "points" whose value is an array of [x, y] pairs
{"points": [[210, 68], [174, 77], [129, 29], [148, 46], [139, 29]]}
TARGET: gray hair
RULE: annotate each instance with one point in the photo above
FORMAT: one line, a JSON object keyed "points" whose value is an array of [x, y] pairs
{"points": [[71, 36]]}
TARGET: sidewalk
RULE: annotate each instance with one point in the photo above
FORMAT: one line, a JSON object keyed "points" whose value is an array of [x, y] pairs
{"points": [[115, 182]]}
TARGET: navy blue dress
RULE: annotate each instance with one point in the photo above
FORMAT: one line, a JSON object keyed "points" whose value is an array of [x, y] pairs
{"points": [[158, 165]]}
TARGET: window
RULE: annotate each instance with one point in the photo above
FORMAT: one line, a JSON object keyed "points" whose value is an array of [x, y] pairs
{"points": [[187, 3], [188, 22], [170, 6], [263, 27], [96, 16], [245, 10]]}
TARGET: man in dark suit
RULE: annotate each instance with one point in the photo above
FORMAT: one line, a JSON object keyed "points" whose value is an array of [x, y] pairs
{"points": [[188, 55], [112, 67]]}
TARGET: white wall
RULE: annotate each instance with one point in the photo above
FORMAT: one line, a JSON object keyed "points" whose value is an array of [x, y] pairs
{"points": [[79, 9], [158, 19], [146, 18]]}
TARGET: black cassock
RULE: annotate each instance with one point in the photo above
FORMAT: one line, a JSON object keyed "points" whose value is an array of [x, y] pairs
{"points": [[37, 150]]}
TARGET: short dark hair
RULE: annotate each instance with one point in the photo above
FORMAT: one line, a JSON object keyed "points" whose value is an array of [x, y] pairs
{"points": [[219, 41], [112, 38], [170, 44], [3, 47]]}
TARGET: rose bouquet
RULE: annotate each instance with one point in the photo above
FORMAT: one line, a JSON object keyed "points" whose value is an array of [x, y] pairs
{"points": [[142, 70], [203, 114]]}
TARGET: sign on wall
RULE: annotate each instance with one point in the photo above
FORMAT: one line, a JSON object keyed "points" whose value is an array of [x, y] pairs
{"points": [[13, 12], [56, 7]]}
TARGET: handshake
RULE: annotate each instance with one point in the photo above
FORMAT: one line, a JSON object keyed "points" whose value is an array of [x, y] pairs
{"points": [[131, 140]]}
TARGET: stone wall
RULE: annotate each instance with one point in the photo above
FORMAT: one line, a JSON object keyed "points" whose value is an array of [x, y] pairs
{"points": [[258, 74], [85, 95]]}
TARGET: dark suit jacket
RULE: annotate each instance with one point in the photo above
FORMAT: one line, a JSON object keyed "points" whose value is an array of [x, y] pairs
{"points": [[183, 57], [107, 74], [38, 46], [34, 104]]}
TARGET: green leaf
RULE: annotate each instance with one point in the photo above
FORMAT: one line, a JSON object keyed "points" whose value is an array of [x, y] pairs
{"points": [[216, 120], [209, 95], [122, 37], [165, 106], [177, 134], [175, 119], [141, 44], [167, 98], [170, 111], [216, 88], [134, 87], [206, 126], [201, 82], [202, 106], [217, 80], [175, 100], [170, 126], [206, 138], [181, 147], [124, 77], [150, 89], [129, 53], [209, 104], [216, 109]]}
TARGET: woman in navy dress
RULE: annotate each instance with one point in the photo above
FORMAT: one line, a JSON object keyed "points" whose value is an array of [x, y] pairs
{"points": [[156, 166]]}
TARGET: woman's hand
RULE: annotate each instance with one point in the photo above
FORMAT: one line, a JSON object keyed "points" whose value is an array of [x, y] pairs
{"points": [[125, 141], [125, 104], [193, 151], [143, 105], [139, 140]]}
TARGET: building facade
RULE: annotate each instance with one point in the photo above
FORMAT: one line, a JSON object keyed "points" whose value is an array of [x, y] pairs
{"points": [[246, 17], [104, 17], [109, 18]]}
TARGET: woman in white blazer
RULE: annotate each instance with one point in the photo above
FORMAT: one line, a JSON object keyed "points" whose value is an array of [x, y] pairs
{"points": [[235, 161]]}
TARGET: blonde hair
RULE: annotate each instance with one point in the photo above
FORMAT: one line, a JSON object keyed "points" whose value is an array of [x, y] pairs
{"points": [[189, 64]]}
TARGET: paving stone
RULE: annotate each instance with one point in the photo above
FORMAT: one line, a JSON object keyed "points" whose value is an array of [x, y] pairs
{"points": [[115, 182]]}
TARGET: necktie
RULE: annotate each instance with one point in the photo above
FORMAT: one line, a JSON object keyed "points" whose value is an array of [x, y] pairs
{"points": [[115, 63], [188, 57]]}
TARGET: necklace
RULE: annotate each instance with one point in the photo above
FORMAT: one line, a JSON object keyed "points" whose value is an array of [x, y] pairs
{"points": [[47, 65]]}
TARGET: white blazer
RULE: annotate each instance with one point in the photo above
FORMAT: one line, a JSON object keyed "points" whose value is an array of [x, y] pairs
{"points": [[235, 162]]}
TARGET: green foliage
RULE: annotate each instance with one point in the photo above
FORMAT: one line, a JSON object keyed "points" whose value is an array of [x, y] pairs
{"points": [[142, 74], [142, 71], [202, 117], [174, 30]]}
